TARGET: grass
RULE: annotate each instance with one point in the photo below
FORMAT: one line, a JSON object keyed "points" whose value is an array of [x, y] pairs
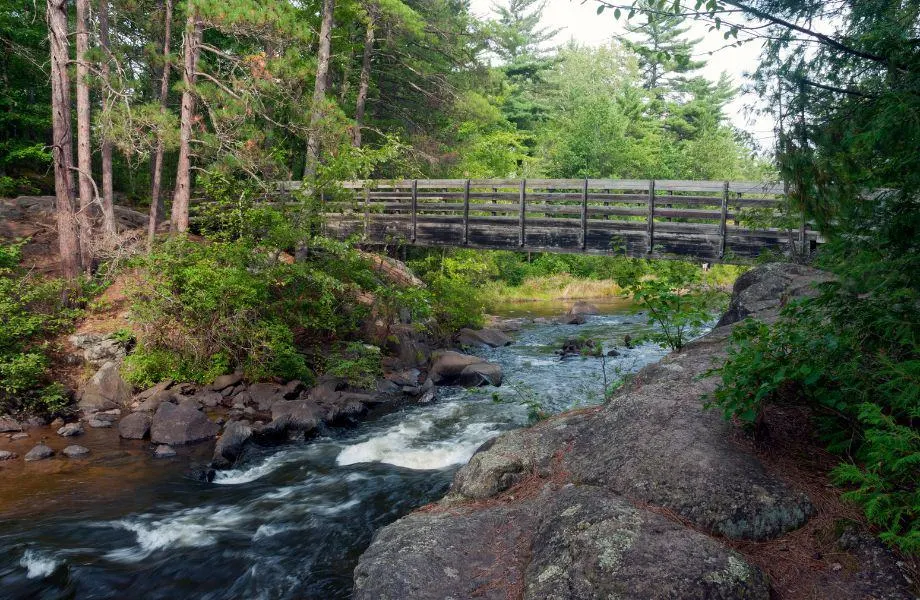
{"points": [[551, 287]]}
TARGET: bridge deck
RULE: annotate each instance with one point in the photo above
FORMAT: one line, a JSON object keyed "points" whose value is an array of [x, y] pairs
{"points": [[709, 220]]}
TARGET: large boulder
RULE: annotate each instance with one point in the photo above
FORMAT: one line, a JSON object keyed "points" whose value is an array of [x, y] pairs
{"points": [[765, 289], [583, 308], [135, 426], [479, 374], [225, 381], [7, 424], [492, 338], [565, 543], [153, 402], [99, 349], [265, 395], [105, 390], [230, 445], [70, 430], [300, 415], [177, 425], [447, 365]]}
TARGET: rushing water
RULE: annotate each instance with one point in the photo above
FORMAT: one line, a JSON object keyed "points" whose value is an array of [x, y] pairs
{"points": [[292, 521]]}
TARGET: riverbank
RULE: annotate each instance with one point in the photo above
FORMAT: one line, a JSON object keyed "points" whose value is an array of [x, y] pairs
{"points": [[289, 520], [588, 503]]}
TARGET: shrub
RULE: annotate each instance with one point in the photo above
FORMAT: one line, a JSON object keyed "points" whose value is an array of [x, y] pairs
{"points": [[205, 308], [358, 364], [32, 310], [852, 355], [677, 304]]}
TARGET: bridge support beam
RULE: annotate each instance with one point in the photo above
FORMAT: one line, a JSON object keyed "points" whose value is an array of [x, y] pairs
{"points": [[584, 216], [723, 223]]}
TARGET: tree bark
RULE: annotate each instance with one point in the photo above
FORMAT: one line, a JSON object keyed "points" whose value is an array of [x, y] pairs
{"points": [[108, 193], [365, 80], [319, 87], [182, 195], [62, 145], [84, 146], [157, 178]]}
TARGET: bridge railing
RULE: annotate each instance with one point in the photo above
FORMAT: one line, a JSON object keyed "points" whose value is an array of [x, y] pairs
{"points": [[713, 220]]}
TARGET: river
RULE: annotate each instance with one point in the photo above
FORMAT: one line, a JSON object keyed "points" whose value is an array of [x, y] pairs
{"points": [[292, 520]]}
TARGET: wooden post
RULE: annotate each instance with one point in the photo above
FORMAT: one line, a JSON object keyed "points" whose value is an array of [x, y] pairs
{"points": [[584, 217], [414, 209], [802, 237], [523, 202], [650, 230], [466, 212], [367, 208], [723, 225]]}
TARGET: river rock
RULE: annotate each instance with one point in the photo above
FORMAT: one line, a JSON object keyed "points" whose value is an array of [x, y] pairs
{"points": [[164, 451], [209, 399], [70, 430], [300, 415], [7, 455], [265, 395], [152, 403], [568, 543], [39, 452], [478, 374], [180, 425], [75, 451], [135, 426], [7, 424], [583, 308], [230, 445], [105, 390], [97, 423], [447, 365], [580, 347], [225, 381], [162, 386], [569, 319], [492, 338], [19, 436]]}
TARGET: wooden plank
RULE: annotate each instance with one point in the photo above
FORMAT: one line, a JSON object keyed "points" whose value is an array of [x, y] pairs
{"points": [[414, 209], [619, 184], [683, 185], [523, 202], [584, 216], [466, 212], [367, 209], [686, 213], [651, 216]]}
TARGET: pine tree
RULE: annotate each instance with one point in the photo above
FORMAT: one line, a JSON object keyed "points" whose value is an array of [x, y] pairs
{"points": [[665, 56]]}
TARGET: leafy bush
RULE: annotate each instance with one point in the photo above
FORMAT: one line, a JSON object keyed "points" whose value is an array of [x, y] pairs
{"points": [[358, 364], [205, 308], [32, 310], [677, 304], [852, 354]]}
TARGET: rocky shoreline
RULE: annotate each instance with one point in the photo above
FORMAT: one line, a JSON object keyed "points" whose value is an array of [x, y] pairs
{"points": [[639, 498]]}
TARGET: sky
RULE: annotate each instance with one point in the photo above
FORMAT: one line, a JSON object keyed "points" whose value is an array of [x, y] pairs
{"points": [[580, 21]]}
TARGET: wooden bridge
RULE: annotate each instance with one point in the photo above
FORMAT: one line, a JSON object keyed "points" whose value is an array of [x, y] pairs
{"points": [[708, 220]]}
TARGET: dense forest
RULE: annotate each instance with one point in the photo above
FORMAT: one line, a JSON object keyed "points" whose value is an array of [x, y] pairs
{"points": [[157, 105]]}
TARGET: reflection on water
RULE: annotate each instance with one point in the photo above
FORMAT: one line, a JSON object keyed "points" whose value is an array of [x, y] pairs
{"points": [[292, 520]]}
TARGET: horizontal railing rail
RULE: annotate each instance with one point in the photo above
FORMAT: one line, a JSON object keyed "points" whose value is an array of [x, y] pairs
{"points": [[709, 220]]}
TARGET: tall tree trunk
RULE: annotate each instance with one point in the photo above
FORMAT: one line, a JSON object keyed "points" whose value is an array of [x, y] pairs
{"points": [[157, 177], [108, 192], [365, 79], [62, 146], [319, 88], [183, 192], [84, 146]]}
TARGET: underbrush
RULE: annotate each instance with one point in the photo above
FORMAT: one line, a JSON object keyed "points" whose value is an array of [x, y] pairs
{"points": [[203, 309], [852, 354], [33, 309]]}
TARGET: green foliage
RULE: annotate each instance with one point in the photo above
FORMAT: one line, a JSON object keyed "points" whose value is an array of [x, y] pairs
{"points": [[676, 304], [32, 310], [203, 309], [852, 354], [357, 363]]}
